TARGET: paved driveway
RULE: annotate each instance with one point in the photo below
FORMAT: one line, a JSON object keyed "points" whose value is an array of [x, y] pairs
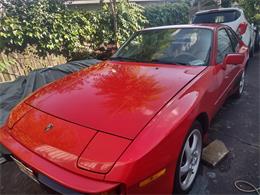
{"points": [[237, 125]]}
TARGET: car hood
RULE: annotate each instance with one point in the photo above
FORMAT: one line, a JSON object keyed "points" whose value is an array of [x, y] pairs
{"points": [[118, 98]]}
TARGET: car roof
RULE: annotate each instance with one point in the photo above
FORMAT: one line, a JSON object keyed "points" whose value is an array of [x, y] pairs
{"points": [[211, 26], [218, 10]]}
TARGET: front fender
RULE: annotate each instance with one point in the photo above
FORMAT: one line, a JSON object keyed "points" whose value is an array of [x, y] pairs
{"points": [[158, 145]]}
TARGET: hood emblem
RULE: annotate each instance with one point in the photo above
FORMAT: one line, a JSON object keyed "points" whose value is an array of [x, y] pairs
{"points": [[49, 127]]}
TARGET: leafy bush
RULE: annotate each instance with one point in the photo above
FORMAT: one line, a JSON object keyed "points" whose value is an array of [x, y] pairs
{"points": [[130, 18], [251, 9], [167, 14], [51, 27], [226, 3], [48, 25]]}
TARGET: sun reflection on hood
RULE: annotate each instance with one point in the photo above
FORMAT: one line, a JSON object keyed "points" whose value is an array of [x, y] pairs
{"points": [[128, 88]]}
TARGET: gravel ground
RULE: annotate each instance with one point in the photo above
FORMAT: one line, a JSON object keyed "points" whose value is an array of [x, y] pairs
{"points": [[236, 124]]}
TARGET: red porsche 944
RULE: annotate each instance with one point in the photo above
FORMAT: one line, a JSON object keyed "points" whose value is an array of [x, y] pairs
{"points": [[134, 123]]}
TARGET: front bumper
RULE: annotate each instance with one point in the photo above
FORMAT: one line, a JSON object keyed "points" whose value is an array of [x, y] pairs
{"points": [[50, 173], [56, 186]]}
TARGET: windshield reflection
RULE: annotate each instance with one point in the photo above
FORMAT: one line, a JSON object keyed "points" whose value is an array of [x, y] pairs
{"points": [[185, 46]]}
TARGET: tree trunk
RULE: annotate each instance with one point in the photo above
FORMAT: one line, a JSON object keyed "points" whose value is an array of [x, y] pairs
{"points": [[199, 5], [114, 14], [101, 3]]}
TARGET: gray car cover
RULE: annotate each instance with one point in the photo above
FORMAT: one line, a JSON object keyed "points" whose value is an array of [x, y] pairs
{"points": [[12, 93]]}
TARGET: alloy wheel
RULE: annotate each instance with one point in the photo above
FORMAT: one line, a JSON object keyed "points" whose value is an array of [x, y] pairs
{"points": [[190, 159], [242, 83]]}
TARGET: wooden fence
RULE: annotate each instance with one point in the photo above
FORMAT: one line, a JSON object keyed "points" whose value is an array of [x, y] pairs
{"points": [[14, 65]]}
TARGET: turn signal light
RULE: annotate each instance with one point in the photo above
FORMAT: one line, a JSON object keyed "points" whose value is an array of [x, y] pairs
{"points": [[152, 178]]}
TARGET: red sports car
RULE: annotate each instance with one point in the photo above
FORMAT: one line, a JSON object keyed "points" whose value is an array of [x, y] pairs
{"points": [[134, 123]]}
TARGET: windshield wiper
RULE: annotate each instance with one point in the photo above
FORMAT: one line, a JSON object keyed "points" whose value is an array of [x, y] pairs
{"points": [[181, 63], [167, 62], [122, 58]]}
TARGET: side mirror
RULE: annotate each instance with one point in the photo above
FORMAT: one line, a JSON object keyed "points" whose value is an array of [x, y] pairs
{"points": [[242, 28], [234, 59]]}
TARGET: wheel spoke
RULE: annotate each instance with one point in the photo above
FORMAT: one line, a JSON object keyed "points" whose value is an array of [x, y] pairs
{"points": [[184, 169], [242, 83], [188, 151], [194, 143], [187, 179]]}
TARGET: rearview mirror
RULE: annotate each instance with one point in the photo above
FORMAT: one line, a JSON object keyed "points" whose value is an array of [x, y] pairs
{"points": [[234, 58]]}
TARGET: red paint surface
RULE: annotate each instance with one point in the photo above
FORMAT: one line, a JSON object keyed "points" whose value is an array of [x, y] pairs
{"points": [[110, 95]]}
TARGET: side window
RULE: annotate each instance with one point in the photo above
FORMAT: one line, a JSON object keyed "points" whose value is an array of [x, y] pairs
{"points": [[224, 45], [234, 39]]}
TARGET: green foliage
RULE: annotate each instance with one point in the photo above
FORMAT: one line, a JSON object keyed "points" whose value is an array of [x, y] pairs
{"points": [[130, 18], [251, 9], [167, 14], [52, 28], [48, 25], [4, 63], [210, 3], [226, 3]]}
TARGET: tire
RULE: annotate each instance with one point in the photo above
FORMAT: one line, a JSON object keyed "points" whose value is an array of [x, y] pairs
{"points": [[189, 160], [257, 41], [238, 93], [257, 45], [251, 53]]}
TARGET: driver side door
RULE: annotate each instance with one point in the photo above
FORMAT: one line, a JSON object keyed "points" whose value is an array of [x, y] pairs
{"points": [[224, 72]]}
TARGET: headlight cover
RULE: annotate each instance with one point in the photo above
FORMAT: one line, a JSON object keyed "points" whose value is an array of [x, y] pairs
{"points": [[17, 113], [102, 153]]}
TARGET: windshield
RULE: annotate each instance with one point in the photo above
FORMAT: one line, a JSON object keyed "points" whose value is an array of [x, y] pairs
{"points": [[185, 46], [217, 17]]}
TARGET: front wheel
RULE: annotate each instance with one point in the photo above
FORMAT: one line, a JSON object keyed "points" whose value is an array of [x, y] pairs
{"points": [[189, 160]]}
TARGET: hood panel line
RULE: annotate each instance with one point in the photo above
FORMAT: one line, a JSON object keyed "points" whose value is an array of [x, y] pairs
{"points": [[79, 123]]}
